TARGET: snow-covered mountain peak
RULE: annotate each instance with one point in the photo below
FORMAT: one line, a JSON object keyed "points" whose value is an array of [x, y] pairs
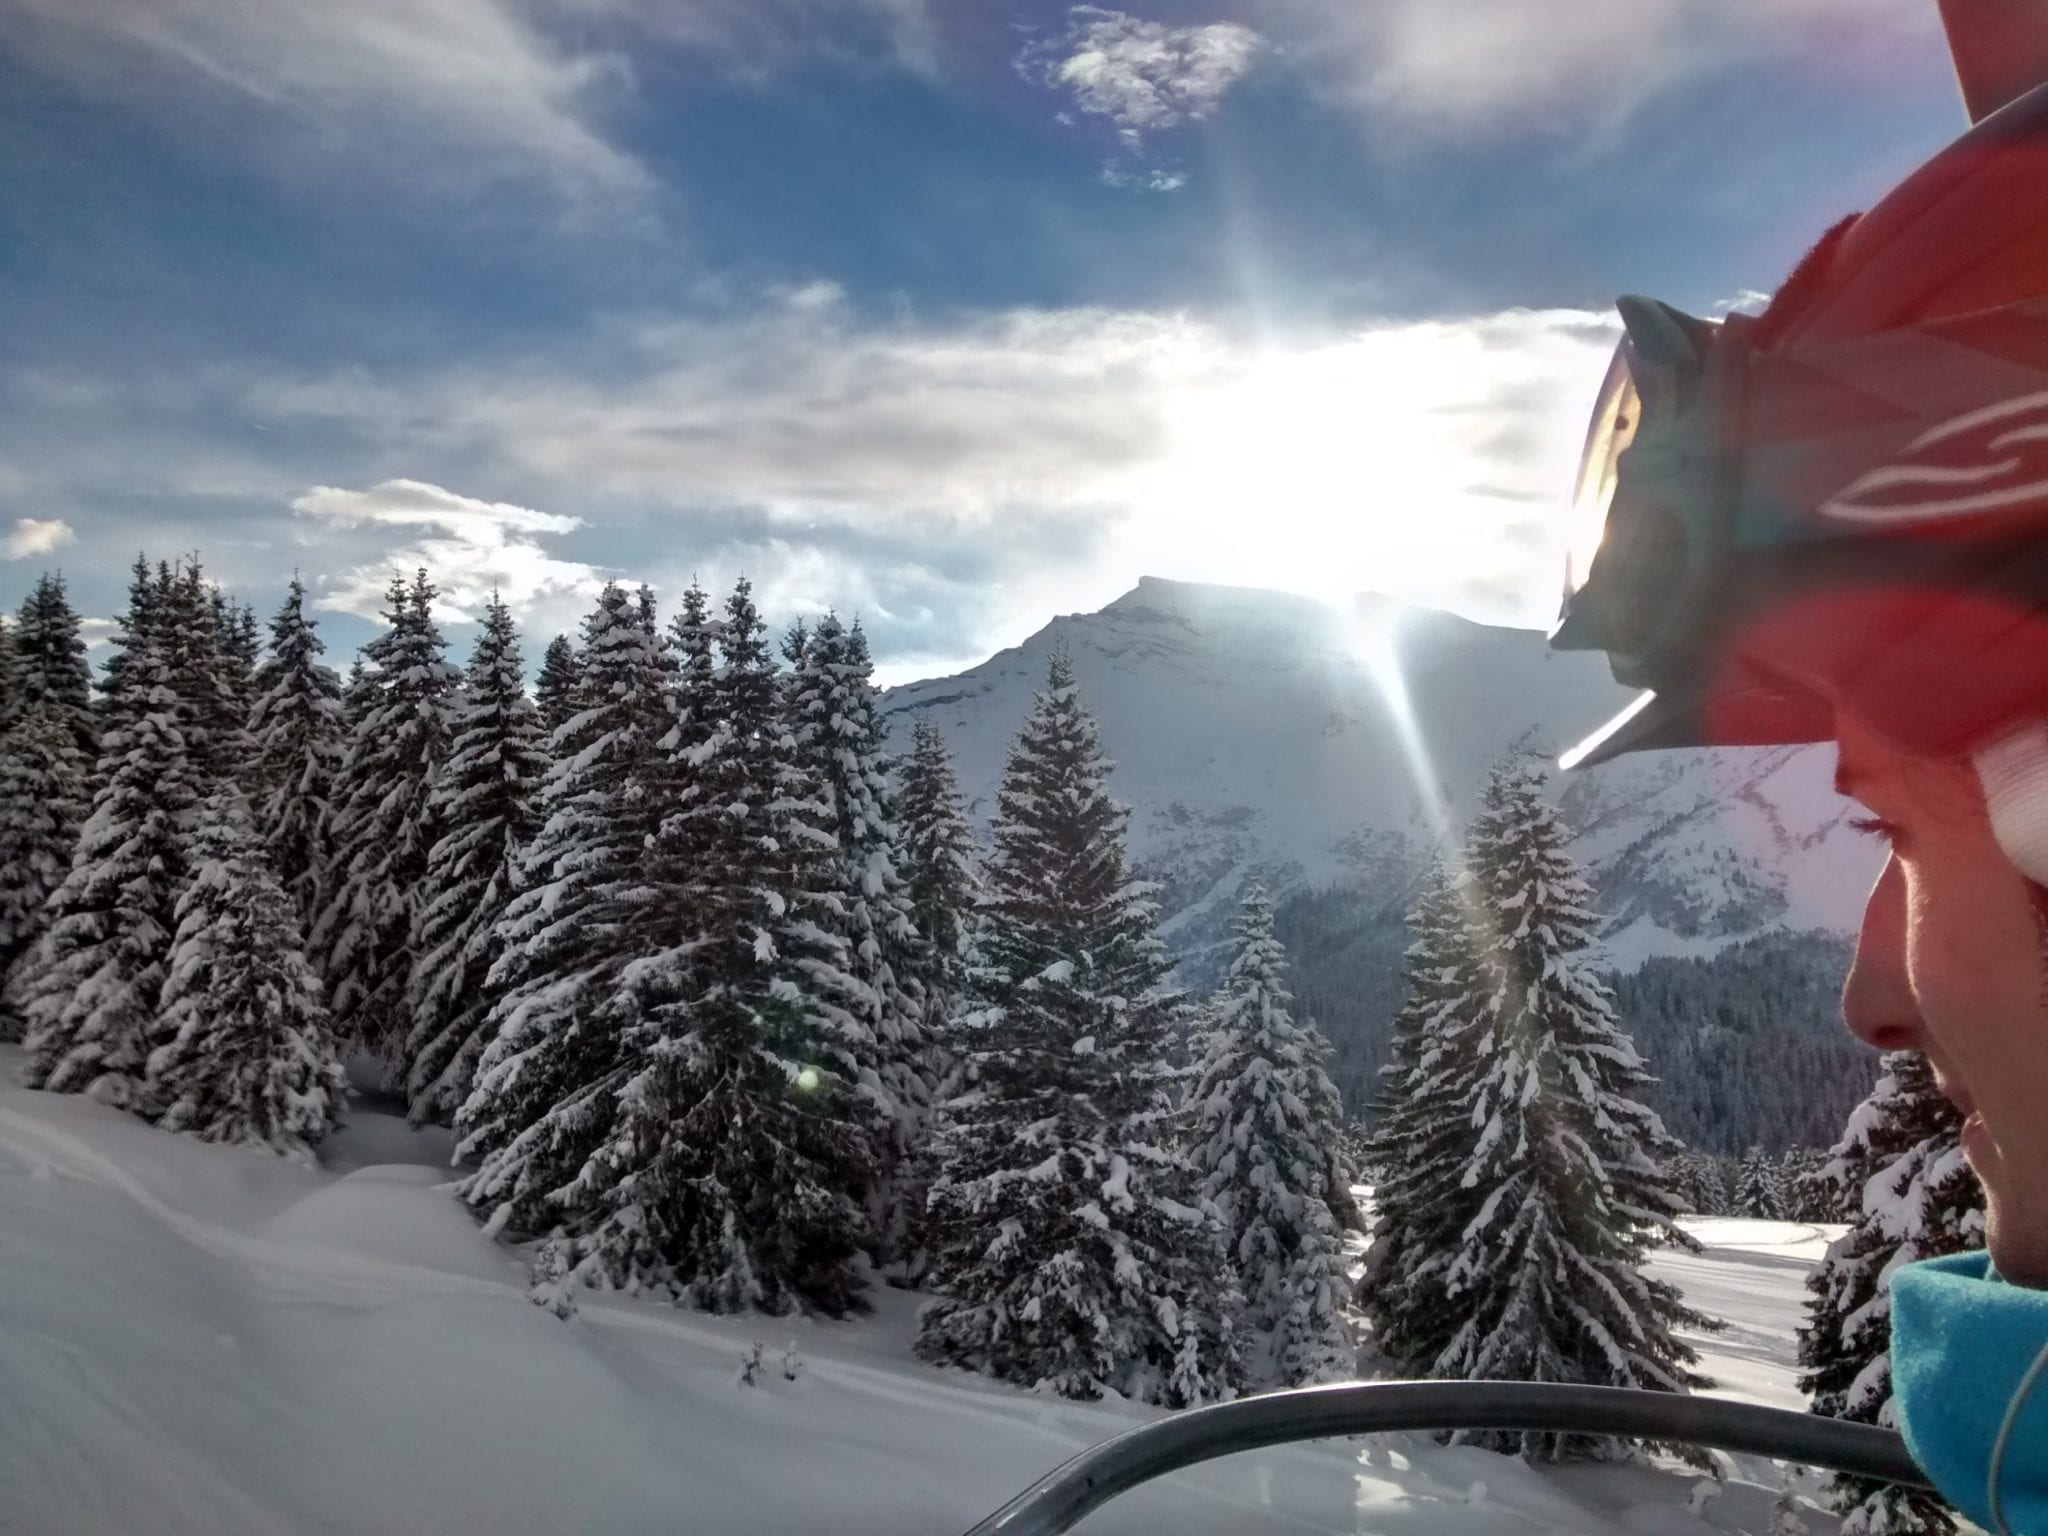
{"points": [[1264, 731]]}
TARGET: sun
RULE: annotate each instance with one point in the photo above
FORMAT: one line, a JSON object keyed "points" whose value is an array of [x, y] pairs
{"points": [[1413, 460]]}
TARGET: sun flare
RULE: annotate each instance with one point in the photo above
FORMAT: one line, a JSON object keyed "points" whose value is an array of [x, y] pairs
{"points": [[1428, 461]]}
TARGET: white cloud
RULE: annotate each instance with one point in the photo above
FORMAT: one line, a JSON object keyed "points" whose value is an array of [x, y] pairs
{"points": [[469, 547], [955, 480], [1155, 179], [1747, 301], [990, 465], [802, 410], [1493, 66], [473, 75], [32, 536], [1144, 76]]}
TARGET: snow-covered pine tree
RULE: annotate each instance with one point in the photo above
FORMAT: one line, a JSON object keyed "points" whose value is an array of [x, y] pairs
{"points": [[295, 729], [696, 719], [554, 687], [942, 880], [486, 806], [1549, 1275], [1068, 1249], [43, 798], [247, 1056], [730, 1174], [50, 664], [545, 1091], [1700, 1183], [385, 825], [90, 991], [1758, 1193], [9, 682], [203, 671], [236, 649], [837, 741], [1422, 1135], [46, 762], [1264, 1121], [1809, 1193], [940, 874], [1900, 1176]]}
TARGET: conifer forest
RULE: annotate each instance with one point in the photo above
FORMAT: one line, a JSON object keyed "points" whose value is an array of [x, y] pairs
{"points": [[727, 1002]]}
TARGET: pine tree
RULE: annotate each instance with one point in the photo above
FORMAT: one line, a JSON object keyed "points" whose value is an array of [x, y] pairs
{"points": [[942, 882], [863, 900], [1900, 1175], [10, 677], [1068, 1250], [1549, 1273], [247, 1057], [486, 805], [385, 826], [295, 726], [940, 876], [232, 697], [91, 990], [198, 652], [1758, 1193], [43, 799], [546, 1085], [1700, 1183], [1422, 1134], [554, 688], [1809, 1194], [726, 1162], [50, 666], [688, 831], [1265, 1124], [750, 1027]]}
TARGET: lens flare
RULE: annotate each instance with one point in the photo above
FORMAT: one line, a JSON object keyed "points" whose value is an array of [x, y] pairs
{"points": [[1375, 629]]}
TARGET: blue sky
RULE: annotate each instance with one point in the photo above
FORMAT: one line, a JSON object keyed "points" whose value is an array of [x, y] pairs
{"points": [[954, 315]]}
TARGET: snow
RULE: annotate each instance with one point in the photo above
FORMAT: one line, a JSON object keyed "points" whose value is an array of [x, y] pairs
{"points": [[1751, 1275], [209, 1340]]}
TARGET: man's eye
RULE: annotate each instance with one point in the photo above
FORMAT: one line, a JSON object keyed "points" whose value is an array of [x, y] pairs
{"points": [[1874, 826]]}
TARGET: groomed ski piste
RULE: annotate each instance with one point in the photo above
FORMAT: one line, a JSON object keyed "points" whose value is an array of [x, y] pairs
{"points": [[208, 1340]]}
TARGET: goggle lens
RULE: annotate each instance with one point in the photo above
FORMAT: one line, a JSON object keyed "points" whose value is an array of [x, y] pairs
{"points": [[1613, 428]]}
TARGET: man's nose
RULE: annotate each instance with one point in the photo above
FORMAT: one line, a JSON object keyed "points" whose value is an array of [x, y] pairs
{"points": [[1877, 999]]}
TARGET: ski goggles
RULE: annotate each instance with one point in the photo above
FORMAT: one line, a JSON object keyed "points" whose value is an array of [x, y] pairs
{"points": [[1754, 530], [1650, 516]]}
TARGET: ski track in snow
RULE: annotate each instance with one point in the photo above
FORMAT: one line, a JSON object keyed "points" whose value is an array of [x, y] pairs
{"points": [[206, 1340]]}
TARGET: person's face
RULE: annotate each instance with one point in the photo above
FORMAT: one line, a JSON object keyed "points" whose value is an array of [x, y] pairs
{"points": [[1951, 963]]}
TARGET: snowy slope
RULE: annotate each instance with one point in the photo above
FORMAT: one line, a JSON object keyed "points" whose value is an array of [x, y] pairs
{"points": [[1259, 730], [204, 1340]]}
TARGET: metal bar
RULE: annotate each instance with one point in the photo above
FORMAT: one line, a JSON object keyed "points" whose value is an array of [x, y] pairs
{"points": [[1102, 1472]]}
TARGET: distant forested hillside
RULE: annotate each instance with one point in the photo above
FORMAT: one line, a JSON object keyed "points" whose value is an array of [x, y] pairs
{"points": [[1748, 1046]]}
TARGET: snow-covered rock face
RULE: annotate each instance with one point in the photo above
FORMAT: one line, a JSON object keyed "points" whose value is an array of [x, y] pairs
{"points": [[1261, 731]]}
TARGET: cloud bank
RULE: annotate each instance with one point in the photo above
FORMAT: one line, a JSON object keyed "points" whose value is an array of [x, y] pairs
{"points": [[470, 548], [1488, 68], [954, 481], [30, 537]]}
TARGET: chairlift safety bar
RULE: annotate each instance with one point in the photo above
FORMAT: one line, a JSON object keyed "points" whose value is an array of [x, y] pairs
{"points": [[1099, 1474]]}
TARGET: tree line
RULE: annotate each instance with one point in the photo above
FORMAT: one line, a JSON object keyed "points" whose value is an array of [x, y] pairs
{"points": [[723, 1003], [727, 1006]]}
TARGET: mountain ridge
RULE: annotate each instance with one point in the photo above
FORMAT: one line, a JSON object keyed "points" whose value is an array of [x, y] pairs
{"points": [[1262, 732]]}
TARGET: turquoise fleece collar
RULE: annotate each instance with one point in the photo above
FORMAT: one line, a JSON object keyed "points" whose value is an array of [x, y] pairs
{"points": [[1961, 1340]]}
